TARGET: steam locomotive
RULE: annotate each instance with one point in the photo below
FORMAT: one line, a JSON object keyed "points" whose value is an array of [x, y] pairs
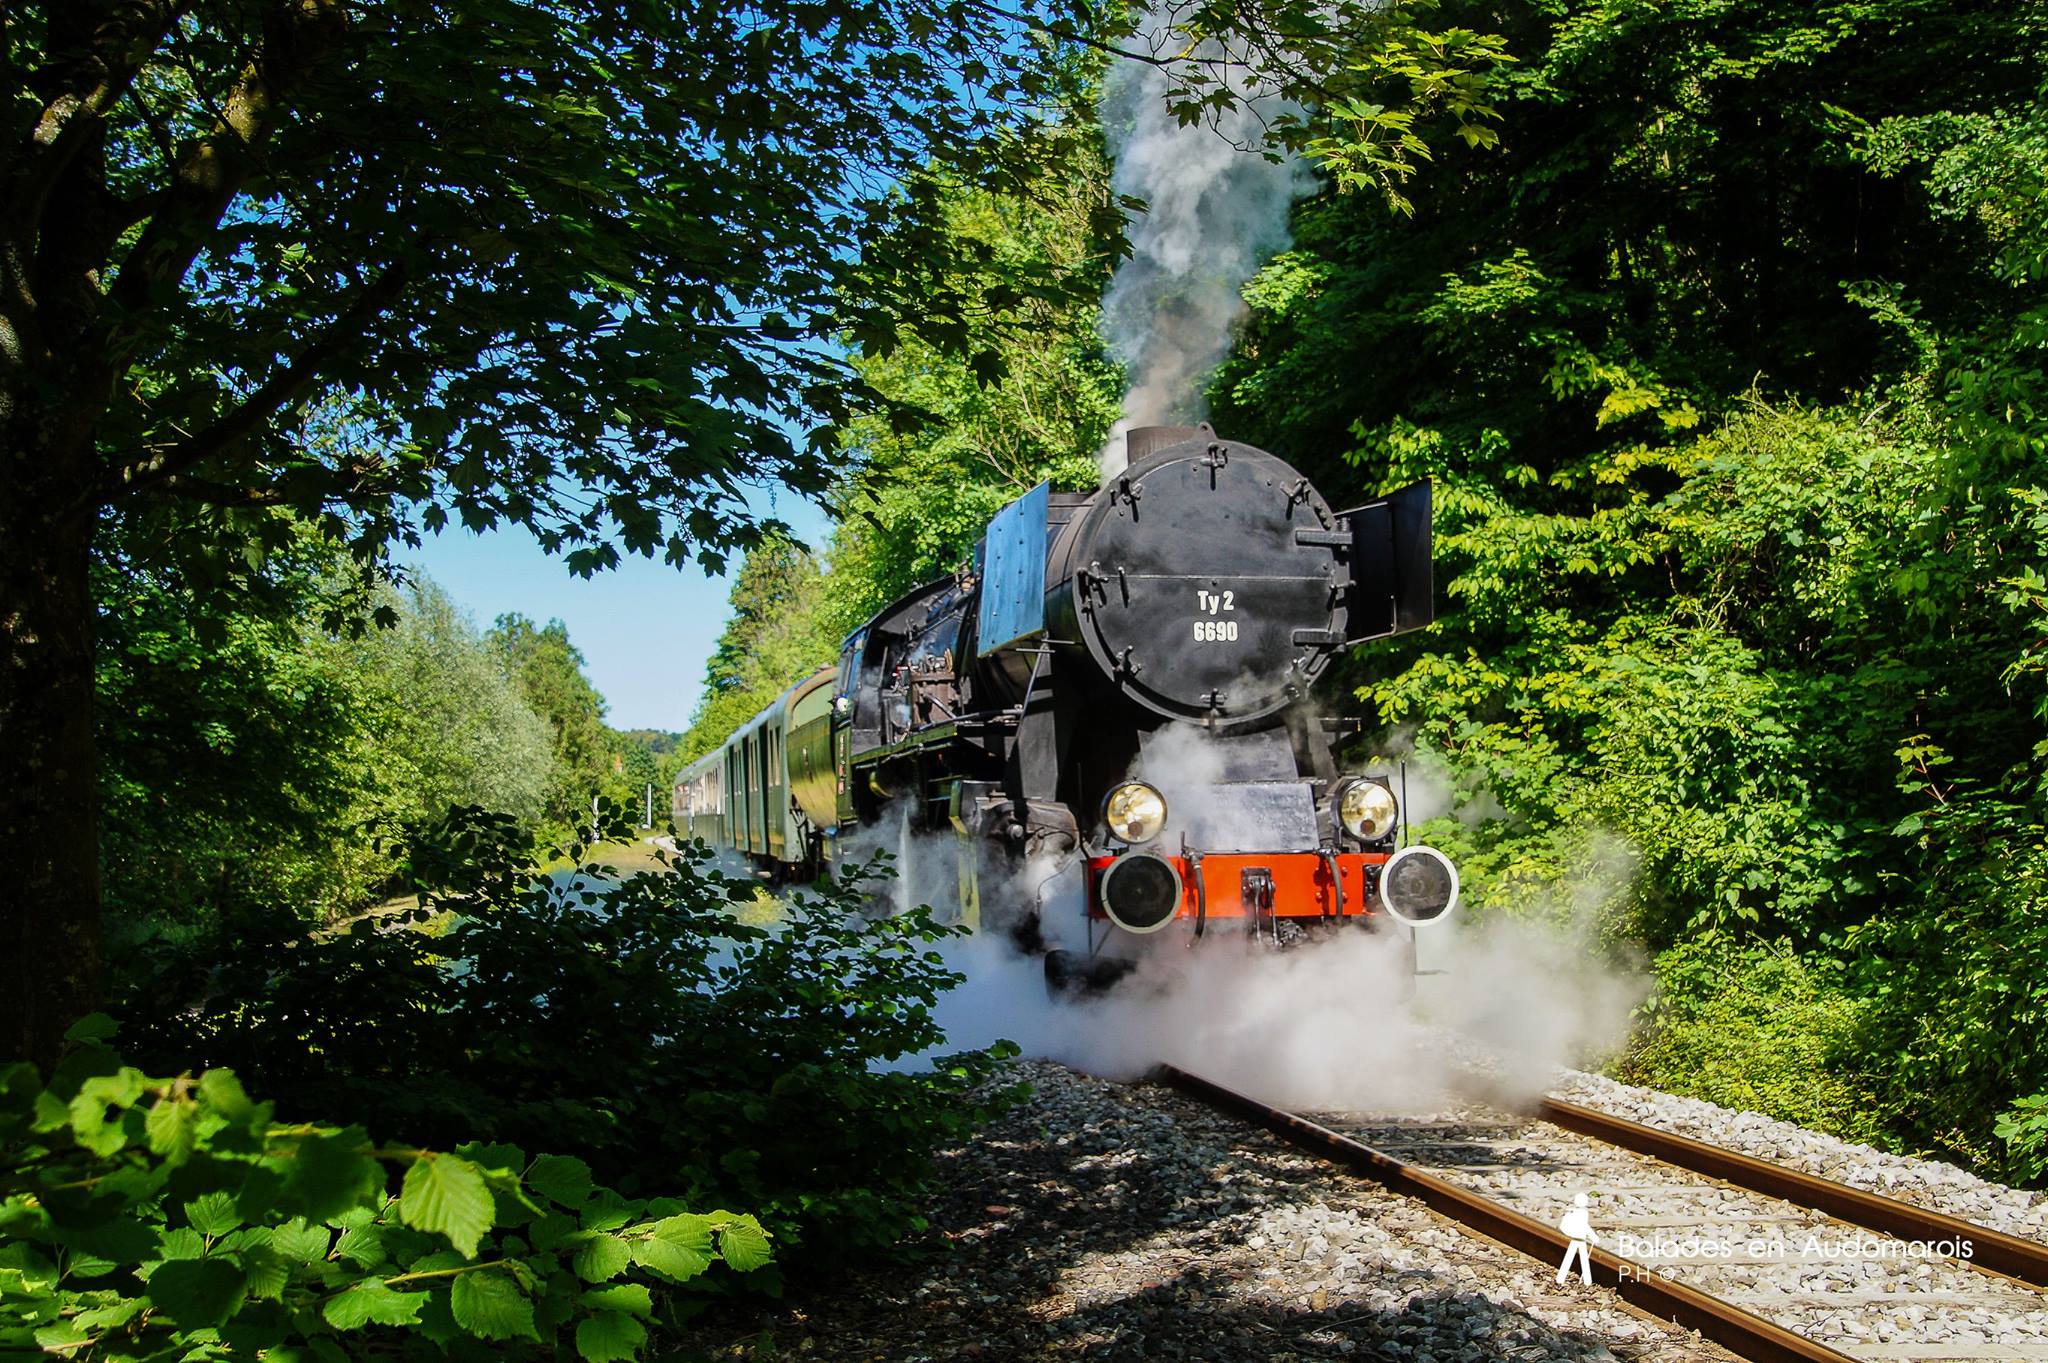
{"points": [[1118, 685]]}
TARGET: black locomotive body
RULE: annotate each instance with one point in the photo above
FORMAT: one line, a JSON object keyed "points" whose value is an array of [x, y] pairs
{"points": [[1120, 683]]}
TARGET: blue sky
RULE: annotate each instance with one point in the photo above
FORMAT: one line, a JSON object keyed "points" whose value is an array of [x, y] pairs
{"points": [[646, 629]]}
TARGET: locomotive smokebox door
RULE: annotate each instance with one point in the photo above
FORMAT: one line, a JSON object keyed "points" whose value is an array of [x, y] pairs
{"points": [[1194, 593]]}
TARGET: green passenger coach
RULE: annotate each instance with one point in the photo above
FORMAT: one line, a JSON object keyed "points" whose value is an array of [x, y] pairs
{"points": [[769, 792]]}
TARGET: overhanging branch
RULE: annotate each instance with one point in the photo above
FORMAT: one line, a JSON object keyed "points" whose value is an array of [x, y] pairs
{"points": [[102, 66], [269, 397], [296, 37]]}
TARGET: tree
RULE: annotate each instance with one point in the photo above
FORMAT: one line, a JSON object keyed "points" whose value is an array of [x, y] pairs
{"points": [[444, 726], [778, 632], [549, 672], [919, 496], [256, 767], [1681, 203], [228, 763], [1727, 364]]}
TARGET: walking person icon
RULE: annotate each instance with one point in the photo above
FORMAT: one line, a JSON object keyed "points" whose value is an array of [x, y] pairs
{"points": [[1577, 1225]]}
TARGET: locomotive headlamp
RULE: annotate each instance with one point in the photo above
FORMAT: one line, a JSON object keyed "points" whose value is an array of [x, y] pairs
{"points": [[1141, 892], [1367, 810], [1135, 812], [1419, 885]]}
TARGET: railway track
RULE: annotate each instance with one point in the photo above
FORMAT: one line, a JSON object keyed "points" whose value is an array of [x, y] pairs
{"points": [[1773, 1264]]}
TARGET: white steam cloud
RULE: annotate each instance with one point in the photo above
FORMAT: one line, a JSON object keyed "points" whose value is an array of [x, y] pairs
{"points": [[1338, 1023], [1218, 210], [1330, 1024]]}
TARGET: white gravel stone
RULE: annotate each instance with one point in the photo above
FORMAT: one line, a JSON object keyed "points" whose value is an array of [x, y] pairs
{"points": [[1110, 1222]]}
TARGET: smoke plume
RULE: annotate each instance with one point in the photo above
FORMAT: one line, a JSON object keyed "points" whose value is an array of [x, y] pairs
{"points": [[1217, 210]]}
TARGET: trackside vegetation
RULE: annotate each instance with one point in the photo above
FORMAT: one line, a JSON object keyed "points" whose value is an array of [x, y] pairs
{"points": [[1727, 363], [633, 1019], [258, 760], [148, 1215], [148, 1203]]}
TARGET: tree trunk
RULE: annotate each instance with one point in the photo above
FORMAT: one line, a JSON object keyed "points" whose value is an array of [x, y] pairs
{"points": [[50, 938]]}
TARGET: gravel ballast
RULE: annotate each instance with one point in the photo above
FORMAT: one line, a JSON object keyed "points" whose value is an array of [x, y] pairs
{"points": [[1926, 1183], [1864, 1294], [1113, 1221]]}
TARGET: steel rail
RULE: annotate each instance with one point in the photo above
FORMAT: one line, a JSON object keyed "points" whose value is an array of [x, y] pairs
{"points": [[1991, 1251], [1752, 1337]]}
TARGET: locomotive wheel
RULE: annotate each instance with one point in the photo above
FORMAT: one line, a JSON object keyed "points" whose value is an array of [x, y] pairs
{"points": [[1070, 975]]}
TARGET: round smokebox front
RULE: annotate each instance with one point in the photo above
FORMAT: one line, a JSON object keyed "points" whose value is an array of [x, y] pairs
{"points": [[1195, 596]]}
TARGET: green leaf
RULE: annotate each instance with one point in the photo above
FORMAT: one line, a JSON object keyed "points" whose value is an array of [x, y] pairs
{"points": [[743, 1244], [61, 1336], [550, 1230], [679, 1247], [92, 1027], [298, 1241], [330, 1172], [98, 1099], [560, 1178], [173, 1129], [437, 1261], [446, 1195], [670, 1259], [196, 1293], [609, 1337], [114, 1313], [606, 1210], [223, 1092], [632, 1298], [372, 1303], [494, 1155], [269, 1272], [361, 1245], [180, 1243], [30, 1270], [601, 1256], [491, 1306], [212, 1213]]}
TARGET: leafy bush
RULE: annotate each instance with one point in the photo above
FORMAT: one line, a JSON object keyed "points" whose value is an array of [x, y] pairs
{"points": [[1958, 991], [2024, 1129], [1756, 1027], [173, 1217], [634, 1020]]}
